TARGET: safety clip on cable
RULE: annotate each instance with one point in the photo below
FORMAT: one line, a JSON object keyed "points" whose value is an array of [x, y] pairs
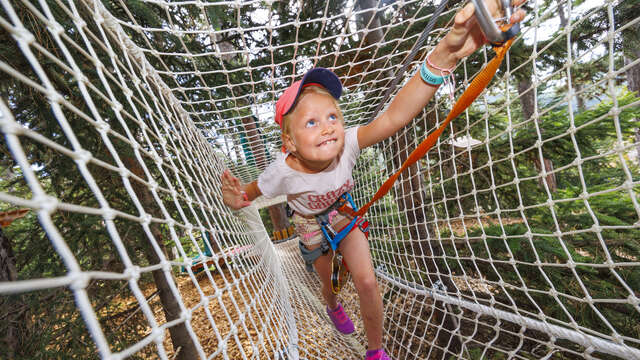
{"points": [[496, 36]]}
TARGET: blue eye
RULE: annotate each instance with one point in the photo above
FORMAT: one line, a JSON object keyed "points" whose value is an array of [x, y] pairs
{"points": [[332, 117], [310, 123]]}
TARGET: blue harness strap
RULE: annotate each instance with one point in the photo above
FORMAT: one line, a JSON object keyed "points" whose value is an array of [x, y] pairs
{"points": [[329, 232]]}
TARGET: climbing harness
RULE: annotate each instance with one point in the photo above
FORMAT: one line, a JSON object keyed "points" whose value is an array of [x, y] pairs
{"points": [[339, 269], [310, 256], [346, 205], [332, 239]]}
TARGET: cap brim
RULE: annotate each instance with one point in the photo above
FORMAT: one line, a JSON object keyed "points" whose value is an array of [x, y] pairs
{"points": [[322, 76], [326, 78]]}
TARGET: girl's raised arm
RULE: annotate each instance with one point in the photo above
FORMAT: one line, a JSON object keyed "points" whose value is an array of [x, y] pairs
{"points": [[463, 39]]}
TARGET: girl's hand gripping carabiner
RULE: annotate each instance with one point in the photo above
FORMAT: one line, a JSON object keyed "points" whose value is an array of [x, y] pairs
{"points": [[493, 33]]}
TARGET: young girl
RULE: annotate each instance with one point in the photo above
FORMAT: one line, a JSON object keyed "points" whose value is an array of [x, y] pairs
{"points": [[320, 154]]}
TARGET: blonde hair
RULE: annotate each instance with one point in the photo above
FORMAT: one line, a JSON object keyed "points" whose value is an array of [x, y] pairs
{"points": [[286, 120]]}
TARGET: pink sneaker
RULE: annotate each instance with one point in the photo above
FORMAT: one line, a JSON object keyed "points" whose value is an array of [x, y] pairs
{"points": [[379, 354], [341, 320]]}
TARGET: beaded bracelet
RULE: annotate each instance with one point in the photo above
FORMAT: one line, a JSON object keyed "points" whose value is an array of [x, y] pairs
{"points": [[448, 79]]}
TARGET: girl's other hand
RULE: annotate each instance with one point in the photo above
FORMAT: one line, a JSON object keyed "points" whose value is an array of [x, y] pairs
{"points": [[232, 191]]}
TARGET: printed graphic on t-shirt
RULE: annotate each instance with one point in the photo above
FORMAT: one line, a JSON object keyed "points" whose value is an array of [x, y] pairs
{"points": [[315, 202]]}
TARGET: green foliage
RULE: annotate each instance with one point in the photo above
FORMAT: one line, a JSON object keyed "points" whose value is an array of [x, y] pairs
{"points": [[592, 218], [593, 134]]}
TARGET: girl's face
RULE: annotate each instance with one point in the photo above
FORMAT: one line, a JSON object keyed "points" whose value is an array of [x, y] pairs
{"points": [[316, 132]]}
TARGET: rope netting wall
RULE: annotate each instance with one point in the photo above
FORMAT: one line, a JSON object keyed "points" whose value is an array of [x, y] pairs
{"points": [[516, 236]]}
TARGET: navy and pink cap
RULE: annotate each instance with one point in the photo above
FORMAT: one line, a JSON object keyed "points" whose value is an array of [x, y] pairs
{"points": [[314, 77]]}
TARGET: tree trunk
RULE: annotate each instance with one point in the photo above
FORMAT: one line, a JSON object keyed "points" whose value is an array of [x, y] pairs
{"points": [[410, 204], [254, 142], [561, 14], [633, 83], [182, 343], [527, 97], [373, 34], [10, 304], [633, 74], [580, 102], [8, 270], [279, 219], [638, 142], [551, 177], [528, 103]]}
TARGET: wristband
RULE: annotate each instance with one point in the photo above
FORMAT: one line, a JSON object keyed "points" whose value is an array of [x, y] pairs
{"points": [[449, 80], [429, 77]]}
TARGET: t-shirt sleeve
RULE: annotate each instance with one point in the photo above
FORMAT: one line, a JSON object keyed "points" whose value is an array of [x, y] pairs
{"points": [[271, 181]]}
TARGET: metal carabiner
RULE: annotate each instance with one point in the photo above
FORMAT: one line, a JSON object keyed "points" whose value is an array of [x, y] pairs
{"points": [[494, 34], [339, 272]]}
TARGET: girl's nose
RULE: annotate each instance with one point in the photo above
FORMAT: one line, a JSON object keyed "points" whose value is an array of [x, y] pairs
{"points": [[328, 127]]}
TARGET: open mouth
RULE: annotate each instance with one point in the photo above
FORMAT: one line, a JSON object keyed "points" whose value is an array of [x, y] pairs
{"points": [[327, 142]]}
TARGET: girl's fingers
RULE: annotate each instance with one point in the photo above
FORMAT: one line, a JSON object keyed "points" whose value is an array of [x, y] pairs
{"points": [[229, 181], [517, 16], [237, 186], [225, 177], [464, 14], [232, 191]]}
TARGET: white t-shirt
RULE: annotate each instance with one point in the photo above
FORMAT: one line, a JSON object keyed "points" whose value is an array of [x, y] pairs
{"points": [[310, 194]]}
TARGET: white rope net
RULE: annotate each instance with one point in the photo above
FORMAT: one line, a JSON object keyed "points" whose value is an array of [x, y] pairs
{"points": [[516, 236]]}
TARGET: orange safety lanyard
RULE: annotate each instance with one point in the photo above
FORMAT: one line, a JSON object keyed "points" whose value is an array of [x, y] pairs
{"points": [[476, 87]]}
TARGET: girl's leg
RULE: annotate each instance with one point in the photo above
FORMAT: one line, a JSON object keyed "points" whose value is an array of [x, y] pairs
{"points": [[355, 249], [336, 313], [323, 267]]}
